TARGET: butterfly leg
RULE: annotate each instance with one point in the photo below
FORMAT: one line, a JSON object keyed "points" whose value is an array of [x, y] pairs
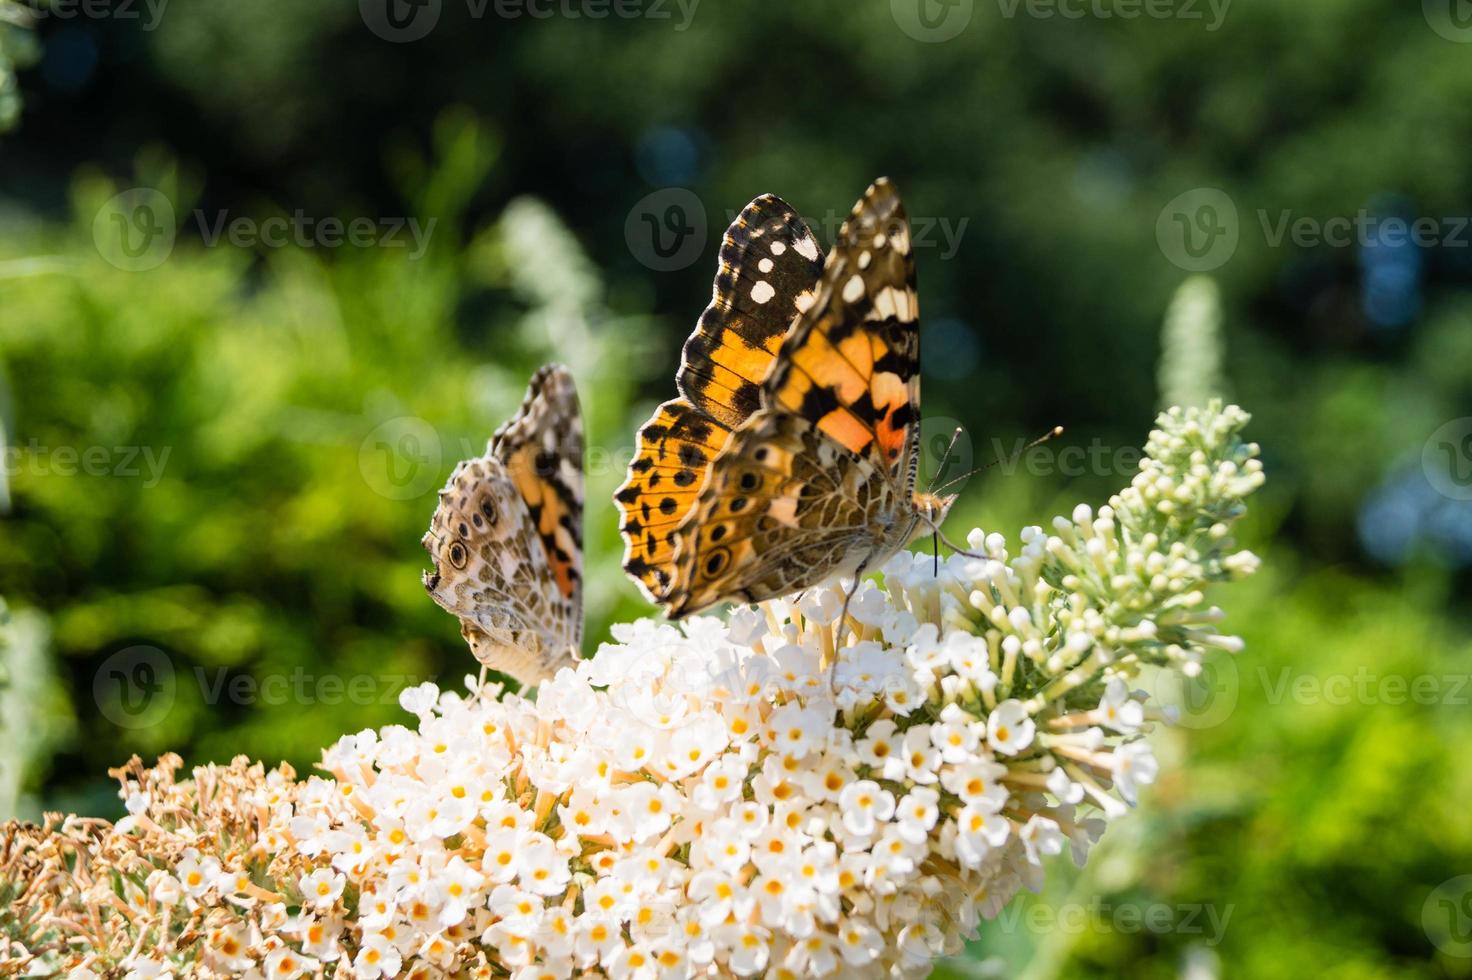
{"points": [[952, 545], [838, 636]]}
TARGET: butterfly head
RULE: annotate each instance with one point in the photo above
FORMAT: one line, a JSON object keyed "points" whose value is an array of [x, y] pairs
{"points": [[932, 508]]}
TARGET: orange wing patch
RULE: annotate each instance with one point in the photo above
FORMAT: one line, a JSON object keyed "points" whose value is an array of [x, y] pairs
{"points": [[542, 450], [675, 450], [769, 266], [852, 365]]}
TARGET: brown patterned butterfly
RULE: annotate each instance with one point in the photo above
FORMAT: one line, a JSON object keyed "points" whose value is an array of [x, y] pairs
{"points": [[792, 455], [507, 541]]}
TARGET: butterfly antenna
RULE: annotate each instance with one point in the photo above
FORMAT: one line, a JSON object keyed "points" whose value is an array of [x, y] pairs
{"points": [[941, 468], [1052, 433]]}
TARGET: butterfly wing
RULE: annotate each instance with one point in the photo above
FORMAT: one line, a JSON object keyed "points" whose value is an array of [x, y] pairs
{"points": [[820, 482], [506, 537], [769, 267], [541, 448], [665, 479], [853, 366]]}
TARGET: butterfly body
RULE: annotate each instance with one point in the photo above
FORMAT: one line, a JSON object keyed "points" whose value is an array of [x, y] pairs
{"points": [[814, 475], [506, 537]]}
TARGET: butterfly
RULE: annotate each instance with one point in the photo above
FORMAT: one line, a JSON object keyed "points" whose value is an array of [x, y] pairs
{"points": [[506, 537], [792, 453]]}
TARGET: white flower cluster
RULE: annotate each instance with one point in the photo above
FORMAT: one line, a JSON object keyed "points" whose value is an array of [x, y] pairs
{"points": [[742, 798]]}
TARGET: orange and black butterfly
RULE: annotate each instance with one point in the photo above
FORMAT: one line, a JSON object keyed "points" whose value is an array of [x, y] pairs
{"points": [[792, 454]]}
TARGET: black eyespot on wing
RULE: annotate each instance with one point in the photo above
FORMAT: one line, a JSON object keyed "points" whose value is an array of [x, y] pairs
{"points": [[716, 562], [749, 481], [458, 554]]}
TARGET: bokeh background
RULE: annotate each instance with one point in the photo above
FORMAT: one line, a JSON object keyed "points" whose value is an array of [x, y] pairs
{"points": [[224, 422]]}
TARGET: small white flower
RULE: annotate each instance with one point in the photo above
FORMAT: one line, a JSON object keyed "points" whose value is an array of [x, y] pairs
{"points": [[461, 886], [922, 759], [322, 887], [196, 876], [1134, 766], [978, 784], [1041, 836], [1009, 729], [285, 963], [420, 700], [227, 948], [377, 958], [916, 814], [541, 868], [1117, 710], [882, 748], [1065, 789], [864, 805], [955, 736]]}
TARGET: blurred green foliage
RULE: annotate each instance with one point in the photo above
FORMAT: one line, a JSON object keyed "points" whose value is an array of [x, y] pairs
{"points": [[17, 49], [300, 405]]}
